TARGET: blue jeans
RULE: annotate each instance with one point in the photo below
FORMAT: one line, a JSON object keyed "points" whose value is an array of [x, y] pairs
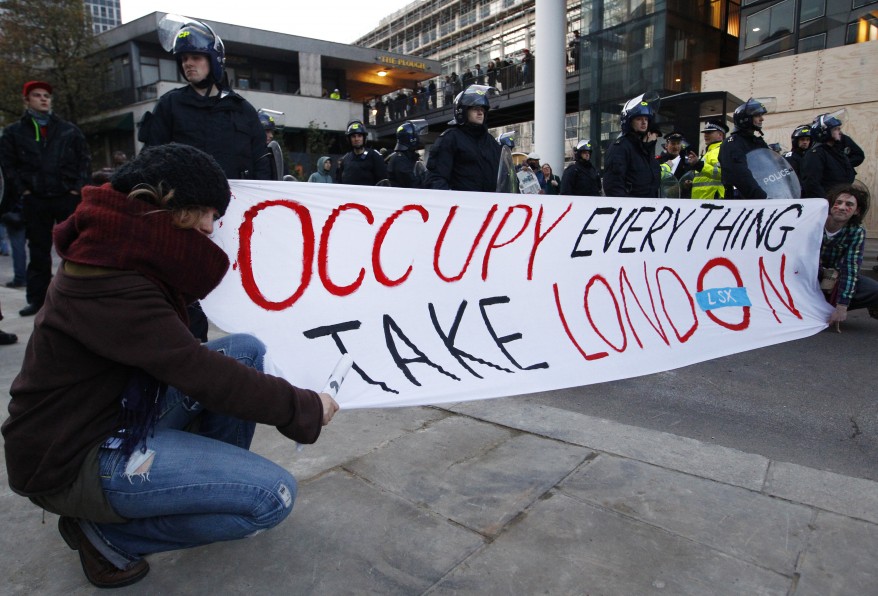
{"points": [[18, 247], [197, 487]]}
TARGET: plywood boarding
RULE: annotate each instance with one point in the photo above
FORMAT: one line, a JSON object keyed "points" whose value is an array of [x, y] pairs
{"points": [[806, 85]]}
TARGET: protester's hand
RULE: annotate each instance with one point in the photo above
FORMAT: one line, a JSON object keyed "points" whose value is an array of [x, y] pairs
{"points": [[692, 158], [838, 315], [330, 407]]}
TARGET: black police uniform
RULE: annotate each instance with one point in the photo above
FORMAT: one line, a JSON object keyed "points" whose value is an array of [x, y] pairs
{"points": [[366, 169], [630, 168], [464, 157], [224, 126], [823, 167], [401, 169], [735, 172], [581, 178]]}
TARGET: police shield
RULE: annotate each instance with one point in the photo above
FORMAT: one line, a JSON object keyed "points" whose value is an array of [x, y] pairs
{"points": [[277, 160], [506, 179], [420, 173], [773, 174], [669, 186]]}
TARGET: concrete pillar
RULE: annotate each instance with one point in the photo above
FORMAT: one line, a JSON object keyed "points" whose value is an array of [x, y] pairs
{"points": [[551, 78], [310, 74]]}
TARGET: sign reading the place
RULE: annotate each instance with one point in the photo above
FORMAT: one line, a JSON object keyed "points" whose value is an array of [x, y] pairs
{"points": [[449, 296]]}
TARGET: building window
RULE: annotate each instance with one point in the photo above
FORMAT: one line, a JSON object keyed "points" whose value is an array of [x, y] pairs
{"points": [[864, 29], [812, 9], [769, 24], [149, 70], [812, 43], [859, 3]]}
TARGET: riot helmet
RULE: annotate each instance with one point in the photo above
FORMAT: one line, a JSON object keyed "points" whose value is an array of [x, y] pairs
{"points": [[267, 120], [472, 97], [408, 134], [507, 139], [821, 128], [356, 127], [196, 37], [642, 105], [743, 115], [582, 147], [801, 132]]}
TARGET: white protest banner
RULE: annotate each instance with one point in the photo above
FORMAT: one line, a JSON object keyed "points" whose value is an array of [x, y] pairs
{"points": [[448, 296]]}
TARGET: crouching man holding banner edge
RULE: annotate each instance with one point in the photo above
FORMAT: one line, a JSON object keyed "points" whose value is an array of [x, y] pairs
{"points": [[120, 420]]}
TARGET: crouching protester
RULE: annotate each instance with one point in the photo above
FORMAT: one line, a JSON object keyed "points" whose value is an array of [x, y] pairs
{"points": [[841, 254], [121, 422]]}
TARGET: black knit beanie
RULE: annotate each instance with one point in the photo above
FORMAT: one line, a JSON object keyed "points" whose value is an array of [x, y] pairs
{"points": [[195, 177]]}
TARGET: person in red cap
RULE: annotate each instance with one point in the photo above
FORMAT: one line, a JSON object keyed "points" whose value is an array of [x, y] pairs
{"points": [[46, 163]]}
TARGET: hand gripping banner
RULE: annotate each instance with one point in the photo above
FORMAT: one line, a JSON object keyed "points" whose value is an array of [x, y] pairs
{"points": [[445, 296]]}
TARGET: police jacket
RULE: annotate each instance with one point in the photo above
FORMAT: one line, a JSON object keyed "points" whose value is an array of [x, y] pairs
{"points": [[47, 165], [735, 172], [823, 167], [366, 169], [630, 168], [225, 126], [464, 157], [708, 183], [581, 178], [794, 158], [852, 150], [401, 169]]}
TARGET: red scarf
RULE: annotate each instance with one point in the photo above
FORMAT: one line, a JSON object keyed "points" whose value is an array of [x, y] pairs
{"points": [[110, 230]]}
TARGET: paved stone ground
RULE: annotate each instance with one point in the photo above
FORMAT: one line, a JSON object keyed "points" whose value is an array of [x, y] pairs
{"points": [[496, 497]]}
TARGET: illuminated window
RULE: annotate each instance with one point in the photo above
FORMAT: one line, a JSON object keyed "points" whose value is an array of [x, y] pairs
{"points": [[769, 24]]}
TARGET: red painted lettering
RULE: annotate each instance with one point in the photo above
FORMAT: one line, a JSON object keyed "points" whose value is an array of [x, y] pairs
{"points": [[245, 258], [380, 276]]}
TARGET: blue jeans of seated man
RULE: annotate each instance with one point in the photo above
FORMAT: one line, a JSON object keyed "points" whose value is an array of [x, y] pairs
{"points": [[199, 487]]}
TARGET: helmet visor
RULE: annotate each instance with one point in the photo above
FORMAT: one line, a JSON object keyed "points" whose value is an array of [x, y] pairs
{"points": [[646, 101]]}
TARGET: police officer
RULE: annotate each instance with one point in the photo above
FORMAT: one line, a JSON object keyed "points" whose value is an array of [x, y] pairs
{"points": [[402, 165], [361, 165], [268, 125], [581, 177], [801, 142], [466, 156], [746, 137], [825, 165], [630, 168], [207, 113], [708, 183]]}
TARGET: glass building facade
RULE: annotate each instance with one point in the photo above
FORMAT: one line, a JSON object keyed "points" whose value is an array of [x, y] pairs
{"points": [[774, 28], [626, 47], [633, 46]]}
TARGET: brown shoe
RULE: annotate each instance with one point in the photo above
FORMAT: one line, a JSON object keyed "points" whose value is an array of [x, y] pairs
{"points": [[98, 569]]}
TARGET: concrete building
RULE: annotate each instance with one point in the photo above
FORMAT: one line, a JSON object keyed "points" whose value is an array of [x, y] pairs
{"points": [[285, 73], [105, 14]]}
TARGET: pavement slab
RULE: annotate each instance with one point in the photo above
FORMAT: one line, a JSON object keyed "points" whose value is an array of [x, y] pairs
{"points": [[565, 546], [753, 527], [476, 474], [840, 558], [854, 497], [661, 449]]}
